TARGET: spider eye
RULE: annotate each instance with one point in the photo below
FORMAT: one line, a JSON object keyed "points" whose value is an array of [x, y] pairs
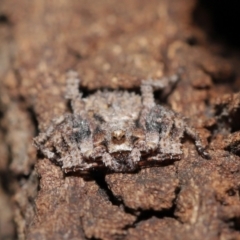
{"points": [[118, 135], [99, 138], [138, 134]]}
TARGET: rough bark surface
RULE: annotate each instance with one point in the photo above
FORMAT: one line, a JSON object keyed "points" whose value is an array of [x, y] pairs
{"points": [[115, 44]]}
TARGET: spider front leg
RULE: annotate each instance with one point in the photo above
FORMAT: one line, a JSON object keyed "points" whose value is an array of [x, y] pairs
{"points": [[165, 131], [171, 128], [77, 144]]}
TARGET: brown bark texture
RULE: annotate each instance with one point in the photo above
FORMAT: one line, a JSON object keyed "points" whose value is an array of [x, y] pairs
{"points": [[115, 44]]}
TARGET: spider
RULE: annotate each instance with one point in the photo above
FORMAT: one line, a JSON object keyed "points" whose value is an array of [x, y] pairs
{"points": [[118, 130]]}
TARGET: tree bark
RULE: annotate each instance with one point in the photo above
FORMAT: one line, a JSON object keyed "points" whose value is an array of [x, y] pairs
{"points": [[115, 44]]}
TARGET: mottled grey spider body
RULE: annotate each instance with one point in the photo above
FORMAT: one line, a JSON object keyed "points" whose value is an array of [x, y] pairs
{"points": [[118, 130]]}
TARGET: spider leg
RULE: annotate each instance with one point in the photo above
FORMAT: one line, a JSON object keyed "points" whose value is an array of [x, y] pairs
{"points": [[72, 93], [162, 157], [201, 148], [134, 158], [109, 162], [164, 131], [149, 86], [72, 158], [44, 136], [75, 145]]}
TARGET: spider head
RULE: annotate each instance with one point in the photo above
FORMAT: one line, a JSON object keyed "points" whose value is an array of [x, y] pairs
{"points": [[119, 138]]}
